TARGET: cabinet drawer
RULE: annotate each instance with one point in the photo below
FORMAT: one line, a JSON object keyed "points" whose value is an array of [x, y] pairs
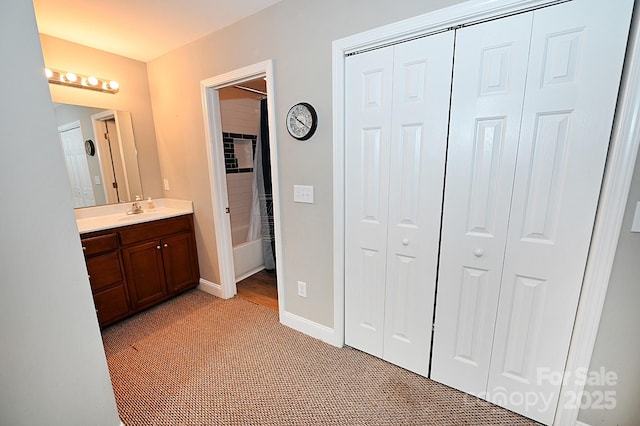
{"points": [[104, 270], [155, 230], [101, 244], [111, 304]]}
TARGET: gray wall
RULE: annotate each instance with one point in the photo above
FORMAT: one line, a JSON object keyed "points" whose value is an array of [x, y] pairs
{"points": [[52, 365], [297, 35]]}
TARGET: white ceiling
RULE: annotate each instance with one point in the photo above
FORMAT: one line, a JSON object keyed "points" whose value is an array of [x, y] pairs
{"points": [[140, 29]]}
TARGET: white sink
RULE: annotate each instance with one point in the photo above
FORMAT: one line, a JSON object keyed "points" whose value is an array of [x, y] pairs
{"points": [[144, 216]]}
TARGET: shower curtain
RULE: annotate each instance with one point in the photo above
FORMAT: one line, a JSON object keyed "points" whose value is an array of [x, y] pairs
{"points": [[261, 223]]}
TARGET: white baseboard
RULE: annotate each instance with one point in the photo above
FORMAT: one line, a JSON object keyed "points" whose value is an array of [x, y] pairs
{"points": [[579, 423], [298, 323], [211, 288], [310, 328]]}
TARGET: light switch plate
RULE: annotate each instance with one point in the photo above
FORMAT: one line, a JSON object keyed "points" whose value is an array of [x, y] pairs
{"points": [[303, 194], [302, 289], [635, 227]]}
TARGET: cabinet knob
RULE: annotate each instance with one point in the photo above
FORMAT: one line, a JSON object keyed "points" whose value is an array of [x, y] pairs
{"points": [[478, 252], [84, 248], [158, 247], [405, 241], [166, 245]]}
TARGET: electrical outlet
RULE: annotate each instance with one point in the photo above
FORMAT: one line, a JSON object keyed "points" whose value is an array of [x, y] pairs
{"points": [[166, 184], [302, 289]]}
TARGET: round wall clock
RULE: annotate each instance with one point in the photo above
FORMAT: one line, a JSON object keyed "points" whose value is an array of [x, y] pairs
{"points": [[90, 147], [302, 121]]}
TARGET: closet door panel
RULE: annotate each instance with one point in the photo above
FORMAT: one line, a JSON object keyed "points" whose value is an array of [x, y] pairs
{"points": [[488, 90], [421, 95], [577, 51], [368, 133]]}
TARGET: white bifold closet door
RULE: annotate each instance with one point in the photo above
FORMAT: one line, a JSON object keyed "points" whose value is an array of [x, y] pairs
{"points": [[486, 109], [397, 105], [523, 182]]}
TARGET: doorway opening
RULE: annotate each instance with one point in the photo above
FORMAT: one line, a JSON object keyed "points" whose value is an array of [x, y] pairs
{"points": [[118, 156], [245, 135], [240, 131]]}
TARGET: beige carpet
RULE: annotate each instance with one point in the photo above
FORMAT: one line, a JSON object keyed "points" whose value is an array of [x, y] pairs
{"points": [[200, 360]]}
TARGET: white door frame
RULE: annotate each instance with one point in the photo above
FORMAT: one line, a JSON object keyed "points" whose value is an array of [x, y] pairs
{"points": [[106, 172], [130, 185], [614, 193], [217, 174]]}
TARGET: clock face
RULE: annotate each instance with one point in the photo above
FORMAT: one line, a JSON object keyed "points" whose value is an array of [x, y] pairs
{"points": [[302, 121]]}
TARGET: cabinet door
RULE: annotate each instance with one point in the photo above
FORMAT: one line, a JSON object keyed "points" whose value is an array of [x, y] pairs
{"points": [[178, 254], [488, 90], [145, 273]]}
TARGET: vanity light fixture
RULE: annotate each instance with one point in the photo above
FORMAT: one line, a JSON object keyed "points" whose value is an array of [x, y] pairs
{"points": [[81, 81], [70, 77]]}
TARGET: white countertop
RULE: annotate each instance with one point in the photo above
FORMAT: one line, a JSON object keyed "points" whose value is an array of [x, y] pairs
{"points": [[98, 218]]}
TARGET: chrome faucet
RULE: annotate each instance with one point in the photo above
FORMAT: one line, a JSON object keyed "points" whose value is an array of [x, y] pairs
{"points": [[135, 207]]}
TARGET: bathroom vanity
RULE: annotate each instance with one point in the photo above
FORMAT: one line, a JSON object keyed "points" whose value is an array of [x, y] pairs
{"points": [[136, 261]]}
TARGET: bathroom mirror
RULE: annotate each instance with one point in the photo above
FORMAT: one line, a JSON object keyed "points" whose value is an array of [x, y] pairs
{"points": [[100, 154]]}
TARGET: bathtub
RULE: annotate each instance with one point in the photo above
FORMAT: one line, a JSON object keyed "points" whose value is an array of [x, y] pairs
{"points": [[247, 259]]}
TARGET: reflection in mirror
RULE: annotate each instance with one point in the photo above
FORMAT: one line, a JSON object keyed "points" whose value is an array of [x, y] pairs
{"points": [[100, 153]]}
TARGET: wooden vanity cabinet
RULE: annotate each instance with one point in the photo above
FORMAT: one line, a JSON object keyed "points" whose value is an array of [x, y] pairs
{"points": [[158, 261]]}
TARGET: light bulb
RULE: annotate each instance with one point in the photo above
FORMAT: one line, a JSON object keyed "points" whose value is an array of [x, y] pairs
{"points": [[92, 81], [48, 72], [114, 85], [70, 77]]}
